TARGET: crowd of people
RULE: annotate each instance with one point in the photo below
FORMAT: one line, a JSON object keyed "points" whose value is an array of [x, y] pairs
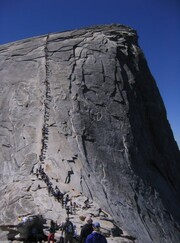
{"points": [[90, 232], [61, 197], [40, 173]]}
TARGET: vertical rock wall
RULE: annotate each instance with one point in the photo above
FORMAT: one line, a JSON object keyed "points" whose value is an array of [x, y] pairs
{"points": [[84, 103]]}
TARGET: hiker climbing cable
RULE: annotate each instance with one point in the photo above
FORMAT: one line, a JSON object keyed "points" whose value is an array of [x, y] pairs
{"points": [[66, 200], [68, 177]]}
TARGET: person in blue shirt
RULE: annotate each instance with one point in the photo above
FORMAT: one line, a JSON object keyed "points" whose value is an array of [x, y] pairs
{"points": [[96, 236]]}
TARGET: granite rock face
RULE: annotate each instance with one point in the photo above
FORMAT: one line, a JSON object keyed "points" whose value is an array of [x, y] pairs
{"points": [[84, 105]]}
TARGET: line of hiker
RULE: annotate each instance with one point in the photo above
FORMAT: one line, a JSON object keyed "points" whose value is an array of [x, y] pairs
{"points": [[65, 200], [90, 232], [44, 140], [47, 101]]}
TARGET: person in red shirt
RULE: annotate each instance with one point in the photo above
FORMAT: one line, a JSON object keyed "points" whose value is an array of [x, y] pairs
{"points": [[52, 231]]}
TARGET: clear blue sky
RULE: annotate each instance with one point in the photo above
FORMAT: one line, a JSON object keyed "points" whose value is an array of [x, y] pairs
{"points": [[156, 21]]}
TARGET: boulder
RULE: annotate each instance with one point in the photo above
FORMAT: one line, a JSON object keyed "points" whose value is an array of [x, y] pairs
{"points": [[83, 108]]}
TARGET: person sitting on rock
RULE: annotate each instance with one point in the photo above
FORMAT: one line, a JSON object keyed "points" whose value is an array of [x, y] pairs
{"points": [[86, 229], [68, 228], [52, 231], [86, 204], [96, 236]]}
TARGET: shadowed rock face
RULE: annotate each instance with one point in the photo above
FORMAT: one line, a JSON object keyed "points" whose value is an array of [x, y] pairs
{"points": [[85, 102]]}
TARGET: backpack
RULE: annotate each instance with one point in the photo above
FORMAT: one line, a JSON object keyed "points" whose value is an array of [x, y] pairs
{"points": [[69, 228]]}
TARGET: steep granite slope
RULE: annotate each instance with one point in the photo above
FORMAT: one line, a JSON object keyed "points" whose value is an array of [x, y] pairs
{"points": [[84, 105]]}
